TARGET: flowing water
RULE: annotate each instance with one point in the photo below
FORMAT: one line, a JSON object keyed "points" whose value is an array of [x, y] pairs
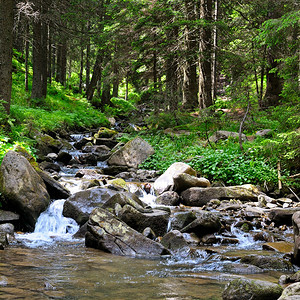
{"points": [[50, 264]]}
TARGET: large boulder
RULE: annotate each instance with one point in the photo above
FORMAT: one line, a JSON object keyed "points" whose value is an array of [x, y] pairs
{"points": [[198, 196], [181, 219], [206, 223], [131, 154], [282, 216], [157, 220], [81, 204], [106, 232], [165, 182], [185, 181], [245, 289], [47, 144], [8, 216], [23, 189]]}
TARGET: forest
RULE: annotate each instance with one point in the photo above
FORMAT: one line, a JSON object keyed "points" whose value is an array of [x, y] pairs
{"points": [[173, 72]]}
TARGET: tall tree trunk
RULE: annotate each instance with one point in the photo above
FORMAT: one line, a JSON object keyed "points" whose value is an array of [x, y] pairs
{"points": [[205, 76], [214, 53], [95, 78], [39, 64], [190, 88], [172, 71], [81, 70], [88, 54], [6, 44], [61, 65], [49, 54], [26, 55]]}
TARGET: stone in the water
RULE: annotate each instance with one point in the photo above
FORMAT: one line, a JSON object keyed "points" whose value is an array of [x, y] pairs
{"points": [[246, 289], [108, 233], [291, 292]]}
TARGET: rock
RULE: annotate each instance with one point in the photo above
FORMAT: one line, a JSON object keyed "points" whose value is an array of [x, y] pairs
{"points": [[7, 228], [107, 233], [200, 196], [64, 157], [165, 182], [88, 159], [264, 133], [8, 216], [3, 240], [118, 184], [168, 198], [205, 223], [291, 292], [23, 189], [80, 205], [182, 219], [175, 242], [131, 154], [114, 170], [282, 216], [78, 145], [185, 181], [104, 132], [283, 247], [267, 262], [296, 227], [149, 233], [124, 198], [49, 166], [157, 220], [245, 289], [54, 188], [109, 142], [102, 152], [90, 174], [47, 144], [224, 135]]}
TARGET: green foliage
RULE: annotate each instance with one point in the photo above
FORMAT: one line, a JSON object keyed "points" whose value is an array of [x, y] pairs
{"points": [[122, 106]]}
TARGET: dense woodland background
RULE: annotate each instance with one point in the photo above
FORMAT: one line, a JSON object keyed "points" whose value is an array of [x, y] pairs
{"points": [[197, 66]]}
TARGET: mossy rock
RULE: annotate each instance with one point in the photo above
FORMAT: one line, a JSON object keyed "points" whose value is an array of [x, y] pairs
{"points": [[104, 132]]}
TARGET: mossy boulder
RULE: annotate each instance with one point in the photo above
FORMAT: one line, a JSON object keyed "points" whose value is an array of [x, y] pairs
{"points": [[23, 189], [104, 132], [245, 289]]}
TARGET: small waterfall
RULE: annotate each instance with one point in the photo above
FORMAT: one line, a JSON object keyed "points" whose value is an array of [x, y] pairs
{"points": [[245, 239], [51, 226]]}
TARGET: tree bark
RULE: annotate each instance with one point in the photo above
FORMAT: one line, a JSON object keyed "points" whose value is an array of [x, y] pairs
{"points": [[39, 64], [88, 54], [205, 63], [95, 78], [61, 65], [6, 44], [190, 88], [26, 56]]}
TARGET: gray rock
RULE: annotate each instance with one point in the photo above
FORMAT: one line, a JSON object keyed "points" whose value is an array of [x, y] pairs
{"points": [[296, 227], [224, 135], [175, 242], [47, 144], [182, 219], [201, 196], [206, 222], [267, 262], [54, 188], [7, 228], [168, 198], [157, 220], [108, 233], [185, 181], [282, 216], [264, 132], [131, 154], [80, 205], [291, 292], [3, 240], [64, 157], [23, 189], [245, 289], [8, 216], [165, 182]]}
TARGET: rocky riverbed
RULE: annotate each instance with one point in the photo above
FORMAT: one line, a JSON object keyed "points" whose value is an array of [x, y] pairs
{"points": [[237, 234]]}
